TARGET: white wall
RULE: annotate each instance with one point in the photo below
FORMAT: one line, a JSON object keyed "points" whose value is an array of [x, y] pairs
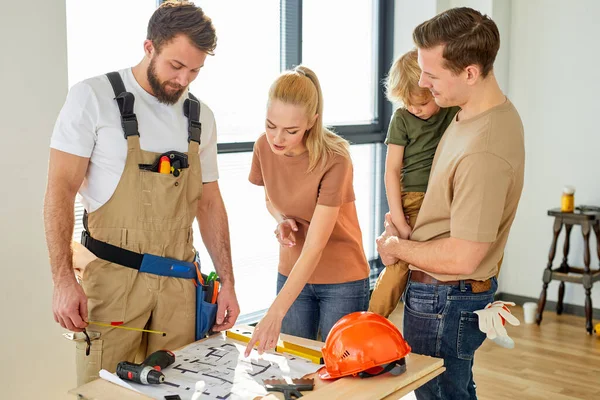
{"points": [[407, 15], [553, 62], [36, 361]]}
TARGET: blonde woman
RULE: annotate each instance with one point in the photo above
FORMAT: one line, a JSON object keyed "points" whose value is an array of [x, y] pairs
{"points": [[306, 171]]}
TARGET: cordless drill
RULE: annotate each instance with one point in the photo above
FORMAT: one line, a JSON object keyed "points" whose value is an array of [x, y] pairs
{"points": [[148, 372]]}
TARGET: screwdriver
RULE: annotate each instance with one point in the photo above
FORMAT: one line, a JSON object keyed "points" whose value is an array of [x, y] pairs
{"points": [[139, 373]]}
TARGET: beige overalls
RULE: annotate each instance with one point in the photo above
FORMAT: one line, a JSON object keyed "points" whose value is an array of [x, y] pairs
{"points": [[149, 213]]}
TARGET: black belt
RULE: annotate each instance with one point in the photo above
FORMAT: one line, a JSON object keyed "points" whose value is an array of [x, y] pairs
{"points": [[112, 253]]}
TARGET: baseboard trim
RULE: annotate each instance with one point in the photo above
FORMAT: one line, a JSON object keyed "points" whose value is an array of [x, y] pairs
{"points": [[571, 309]]}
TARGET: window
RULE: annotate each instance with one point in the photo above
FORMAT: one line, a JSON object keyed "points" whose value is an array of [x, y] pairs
{"points": [[346, 42], [235, 82], [341, 51]]}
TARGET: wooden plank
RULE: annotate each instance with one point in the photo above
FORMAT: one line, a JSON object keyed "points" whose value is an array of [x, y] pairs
{"points": [[561, 276], [578, 270], [574, 278], [575, 216], [101, 389], [399, 394], [415, 385], [417, 367]]}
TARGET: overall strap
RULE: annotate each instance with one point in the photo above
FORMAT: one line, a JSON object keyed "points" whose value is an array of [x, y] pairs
{"points": [[191, 109], [125, 101]]}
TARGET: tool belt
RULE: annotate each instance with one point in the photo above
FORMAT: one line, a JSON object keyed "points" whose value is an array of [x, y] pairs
{"points": [[206, 290], [142, 262], [476, 286]]}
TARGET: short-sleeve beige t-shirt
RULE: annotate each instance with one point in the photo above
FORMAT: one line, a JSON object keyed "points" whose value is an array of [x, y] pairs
{"points": [[296, 193], [475, 185]]}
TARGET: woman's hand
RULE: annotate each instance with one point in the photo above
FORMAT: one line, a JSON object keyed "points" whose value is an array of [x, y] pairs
{"points": [[284, 232], [266, 333]]}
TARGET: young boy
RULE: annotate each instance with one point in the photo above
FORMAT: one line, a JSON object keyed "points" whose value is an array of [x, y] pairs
{"points": [[413, 136]]}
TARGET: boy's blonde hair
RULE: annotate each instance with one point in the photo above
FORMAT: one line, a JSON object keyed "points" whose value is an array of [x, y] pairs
{"points": [[403, 80], [301, 87]]}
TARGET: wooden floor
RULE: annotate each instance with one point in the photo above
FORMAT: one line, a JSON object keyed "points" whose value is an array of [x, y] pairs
{"points": [[556, 360]]}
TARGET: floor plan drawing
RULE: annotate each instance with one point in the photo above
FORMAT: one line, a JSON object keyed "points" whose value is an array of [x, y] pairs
{"points": [[219, 362]]}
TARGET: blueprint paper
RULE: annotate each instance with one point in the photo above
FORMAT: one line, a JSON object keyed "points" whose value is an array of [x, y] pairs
{"points": [[220, 363], [104, 374]]}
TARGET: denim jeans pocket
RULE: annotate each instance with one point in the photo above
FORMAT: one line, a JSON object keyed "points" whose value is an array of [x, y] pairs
{"points": [[469, 335], [420, 304], [421, 330]]}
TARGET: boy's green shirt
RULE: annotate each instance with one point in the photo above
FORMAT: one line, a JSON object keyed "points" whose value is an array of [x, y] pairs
{"points": [[420, 139]]}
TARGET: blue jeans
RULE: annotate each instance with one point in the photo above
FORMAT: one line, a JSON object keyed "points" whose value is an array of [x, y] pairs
{"points": [[320, 306], [439, 322]]}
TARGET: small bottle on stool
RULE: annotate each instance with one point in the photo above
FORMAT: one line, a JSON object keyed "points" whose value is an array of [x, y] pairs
{"points": [[567, 203]]}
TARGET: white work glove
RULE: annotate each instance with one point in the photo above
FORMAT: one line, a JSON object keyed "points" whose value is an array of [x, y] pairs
{"points": [[492, 319]]}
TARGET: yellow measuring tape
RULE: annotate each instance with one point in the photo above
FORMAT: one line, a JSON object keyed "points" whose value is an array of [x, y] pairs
{"points": [[282, 347], [126, 327]]}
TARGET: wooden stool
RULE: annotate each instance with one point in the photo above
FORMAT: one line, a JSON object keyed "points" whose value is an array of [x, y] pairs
{"points": [[588, 218]]}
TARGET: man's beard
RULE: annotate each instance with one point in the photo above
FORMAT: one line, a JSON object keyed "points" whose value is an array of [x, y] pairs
{"points": [[159, 89]]}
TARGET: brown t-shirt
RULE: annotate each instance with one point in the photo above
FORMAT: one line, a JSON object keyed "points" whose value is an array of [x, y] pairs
{"points": [[475, 185], [295, 194]]}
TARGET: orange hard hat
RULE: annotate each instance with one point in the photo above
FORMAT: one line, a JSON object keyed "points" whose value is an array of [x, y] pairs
{"points": [[364, 344]]}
